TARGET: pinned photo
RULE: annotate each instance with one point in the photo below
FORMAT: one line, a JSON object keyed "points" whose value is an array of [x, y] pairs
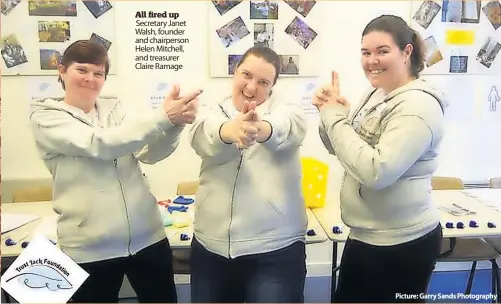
{"points": [[105, 43], [52, 8], [303, 7], [264, 35], [426, 13], [289, 64], [465, 11], [50, 59], [233, 61], [263, 10], [9, 5], [97, 7], [12, 52], [223, 6], [53, 31], [493, 12], [433, 54], [232, 32], [488, 52], [301, 32], [458, 64]]}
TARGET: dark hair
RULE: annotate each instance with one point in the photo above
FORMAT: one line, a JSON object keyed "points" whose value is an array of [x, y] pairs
{"points": [[267, 54], [403, 35], [85, 51]]}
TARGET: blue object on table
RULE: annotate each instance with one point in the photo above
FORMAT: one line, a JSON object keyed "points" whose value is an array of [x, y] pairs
{"points": [[449, 225], [336, 230], [311, 232], [491, 225], [181, 200], [184, 237], [24, 244], [473, 224], [177, 208], [460, 225], [10, 242]]}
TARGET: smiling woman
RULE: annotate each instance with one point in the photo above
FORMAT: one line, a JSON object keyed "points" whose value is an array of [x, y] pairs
{"points": [[388, 148], [109, 221]]}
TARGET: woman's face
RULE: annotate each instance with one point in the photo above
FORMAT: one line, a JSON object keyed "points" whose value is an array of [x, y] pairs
{"points": [[84, 80], [253, 81], [385, 65]]}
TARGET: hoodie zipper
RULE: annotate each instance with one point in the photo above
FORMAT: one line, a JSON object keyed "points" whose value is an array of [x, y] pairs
{"points": [[126, 210], [233, 190]]}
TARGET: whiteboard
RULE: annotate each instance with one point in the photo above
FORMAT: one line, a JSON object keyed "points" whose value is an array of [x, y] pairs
{"points": [[291, 31], [36, 33]]}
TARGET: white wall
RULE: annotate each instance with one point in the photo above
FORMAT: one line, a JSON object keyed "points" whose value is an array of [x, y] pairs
{"points": [[344, 21]]}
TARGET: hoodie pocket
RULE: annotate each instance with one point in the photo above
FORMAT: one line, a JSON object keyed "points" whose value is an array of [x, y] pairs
{"points": [[201, 196], [275, 206]]}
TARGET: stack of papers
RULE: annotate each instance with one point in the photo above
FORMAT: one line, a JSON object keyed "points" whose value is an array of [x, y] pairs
{"points": [[490, 197]]}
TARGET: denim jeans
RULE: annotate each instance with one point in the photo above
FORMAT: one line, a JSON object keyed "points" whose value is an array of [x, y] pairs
{"points": [[276, 276]]}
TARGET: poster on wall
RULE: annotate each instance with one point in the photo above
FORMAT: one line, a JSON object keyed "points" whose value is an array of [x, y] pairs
{"points": [[35, 33], [461, 37], [290, 28]]}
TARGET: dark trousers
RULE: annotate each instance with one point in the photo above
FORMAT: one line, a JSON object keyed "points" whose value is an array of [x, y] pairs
{"points": [[150, 274], [266, 278], [388, 273]]}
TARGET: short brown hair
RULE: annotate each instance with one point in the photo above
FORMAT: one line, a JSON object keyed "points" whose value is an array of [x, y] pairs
{"points": [[85, 51]]}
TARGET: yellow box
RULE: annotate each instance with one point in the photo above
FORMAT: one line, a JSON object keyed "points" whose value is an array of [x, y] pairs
{"points": [[314, 182]]}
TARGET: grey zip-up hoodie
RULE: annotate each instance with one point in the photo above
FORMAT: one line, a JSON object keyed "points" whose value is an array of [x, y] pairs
{"points": [[103, 200], [249, 201], [389, 158]]}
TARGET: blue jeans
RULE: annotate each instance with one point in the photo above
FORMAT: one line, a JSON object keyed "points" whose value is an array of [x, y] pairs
{"points": [[272, 277]]}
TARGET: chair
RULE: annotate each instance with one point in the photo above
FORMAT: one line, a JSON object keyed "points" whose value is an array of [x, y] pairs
{"points": [[314, 182], [466, 250], [446, 183], [181, 257], [36, 194], [187, 188], [495, 182]]}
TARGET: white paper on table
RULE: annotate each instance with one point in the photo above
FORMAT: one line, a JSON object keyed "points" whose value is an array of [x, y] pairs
{"points": [[11, 221], [490, 197], [47, 227]]}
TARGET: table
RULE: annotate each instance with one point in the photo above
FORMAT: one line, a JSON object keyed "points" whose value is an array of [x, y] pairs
{"points": [[472, 199], [44, 209]]}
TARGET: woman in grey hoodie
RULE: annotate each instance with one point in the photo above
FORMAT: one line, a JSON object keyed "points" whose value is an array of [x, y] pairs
{"points": [[388, 148], [108, 220]]}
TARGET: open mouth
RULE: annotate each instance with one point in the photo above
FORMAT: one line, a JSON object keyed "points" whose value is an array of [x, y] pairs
{"points": [[247, 96], [376, 72]]}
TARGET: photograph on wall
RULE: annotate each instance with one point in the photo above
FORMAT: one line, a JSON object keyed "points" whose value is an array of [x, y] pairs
{"points": [[301, 32], [433, 54], [102, 41], [264, 34], [233, 61], [223, 6], [9, 5], [98, 7], [303, 7], [53, 31], [232, 32], [493, 12], [426, 13], [289, 64], [465, 11], [52, 8], [50, 59], [12, 51], [488, 52], [458, 64], [263, 10]]}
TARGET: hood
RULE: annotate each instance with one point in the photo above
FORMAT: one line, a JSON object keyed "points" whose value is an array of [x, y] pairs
{"points": [[104, 105], [425, 86]]}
